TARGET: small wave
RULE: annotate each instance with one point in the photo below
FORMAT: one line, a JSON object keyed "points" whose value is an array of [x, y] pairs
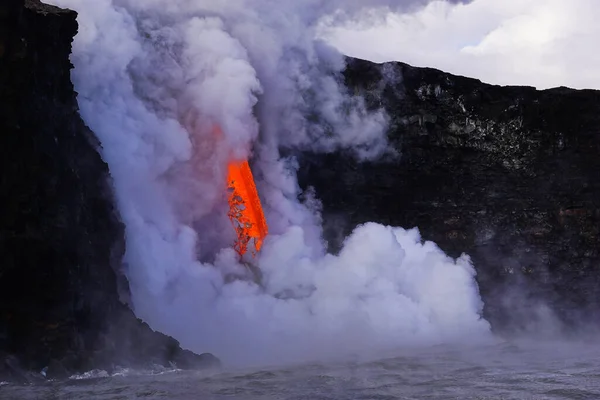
{"points": [[3, 384], [124, 372], [95, 373], [154, 370], [167, 371]]}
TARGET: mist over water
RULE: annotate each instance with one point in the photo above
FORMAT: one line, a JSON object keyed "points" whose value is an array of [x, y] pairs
{"points": [[154, 78], [519, 371]]}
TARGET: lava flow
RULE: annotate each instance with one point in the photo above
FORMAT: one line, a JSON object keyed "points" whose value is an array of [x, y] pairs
{"points": [[245, 210]]}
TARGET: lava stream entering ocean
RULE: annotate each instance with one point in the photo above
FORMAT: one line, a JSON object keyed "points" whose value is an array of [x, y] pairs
{"points": [[245, 211]]}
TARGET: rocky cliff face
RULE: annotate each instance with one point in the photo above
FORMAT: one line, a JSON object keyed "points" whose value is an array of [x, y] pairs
{"points": [[60, 237], [508, 175]]}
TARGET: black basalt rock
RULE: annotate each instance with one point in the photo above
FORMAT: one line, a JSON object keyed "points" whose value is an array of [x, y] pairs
{"points": [[508, 175], [61, 240]]}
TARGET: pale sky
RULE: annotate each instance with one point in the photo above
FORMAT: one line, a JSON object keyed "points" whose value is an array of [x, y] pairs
{"points": [[541, 43]]}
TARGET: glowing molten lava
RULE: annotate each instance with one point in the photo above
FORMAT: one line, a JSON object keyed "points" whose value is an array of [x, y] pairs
{"points": [[245, 210]]}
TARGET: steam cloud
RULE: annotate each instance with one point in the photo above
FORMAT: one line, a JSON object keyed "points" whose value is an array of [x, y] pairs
{"points": [[154, 78]]}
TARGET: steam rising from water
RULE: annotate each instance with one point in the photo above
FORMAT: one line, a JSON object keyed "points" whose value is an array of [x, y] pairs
{"points": [[154, 77]]}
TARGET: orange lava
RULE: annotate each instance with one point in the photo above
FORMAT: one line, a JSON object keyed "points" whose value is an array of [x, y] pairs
{"points": [[245, 211]]}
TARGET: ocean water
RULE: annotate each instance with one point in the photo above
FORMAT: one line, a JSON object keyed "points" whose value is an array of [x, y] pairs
{"points": [[510, 370]]}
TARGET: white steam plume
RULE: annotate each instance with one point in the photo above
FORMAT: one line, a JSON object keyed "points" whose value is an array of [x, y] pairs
{"points": [[154, 79]]}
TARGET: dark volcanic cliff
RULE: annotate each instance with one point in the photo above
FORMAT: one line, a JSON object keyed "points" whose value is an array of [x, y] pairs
{"points": [[508, 175], [60, 237]]}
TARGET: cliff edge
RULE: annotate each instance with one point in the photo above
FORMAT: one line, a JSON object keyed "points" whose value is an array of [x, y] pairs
{"points": [[61, 240]]}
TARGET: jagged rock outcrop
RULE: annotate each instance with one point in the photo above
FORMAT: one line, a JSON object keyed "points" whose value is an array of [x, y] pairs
{"points": [[61, 241], [509, 175]]}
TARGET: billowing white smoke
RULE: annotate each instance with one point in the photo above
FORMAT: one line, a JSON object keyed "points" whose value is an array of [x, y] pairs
{"points": [[154, 79]]}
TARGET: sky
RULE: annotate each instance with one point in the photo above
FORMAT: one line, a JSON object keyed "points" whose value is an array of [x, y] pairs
{"points": [[540, 43]]}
